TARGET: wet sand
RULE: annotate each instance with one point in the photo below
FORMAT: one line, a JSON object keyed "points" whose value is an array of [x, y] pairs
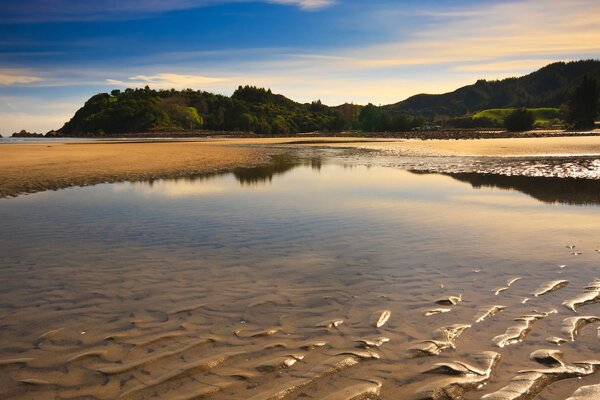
{"points": [[513, 147], [35, 167], [180, 300], [40, 166]]}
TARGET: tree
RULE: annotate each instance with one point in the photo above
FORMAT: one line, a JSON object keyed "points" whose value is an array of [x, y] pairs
{"points": [[368, 119], [521, 119], [247, 121], [581, 109], [279, 126]]}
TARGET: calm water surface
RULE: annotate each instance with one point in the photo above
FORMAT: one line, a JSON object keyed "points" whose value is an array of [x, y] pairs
{"points": [[217, 286]]}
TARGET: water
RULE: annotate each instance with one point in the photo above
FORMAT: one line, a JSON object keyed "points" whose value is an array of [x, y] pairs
{"points": [[207, 285]]}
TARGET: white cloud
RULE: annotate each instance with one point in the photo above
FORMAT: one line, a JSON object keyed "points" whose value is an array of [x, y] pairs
{"points": [[10, 77], [70, 10], [305, 4], [506, 66], [167, 81]]}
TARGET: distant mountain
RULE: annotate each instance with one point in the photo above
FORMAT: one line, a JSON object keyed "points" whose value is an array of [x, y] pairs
{"points": [[546, 87]]}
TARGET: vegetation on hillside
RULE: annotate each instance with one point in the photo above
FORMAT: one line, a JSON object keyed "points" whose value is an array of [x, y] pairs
{"points": [[582, 108], [520, 119], [547, 87], [251, 109]]}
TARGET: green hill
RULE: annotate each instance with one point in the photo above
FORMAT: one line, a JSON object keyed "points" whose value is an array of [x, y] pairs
{"points": [[248, 109], [542, 116], [261, 111], [546, 87]]}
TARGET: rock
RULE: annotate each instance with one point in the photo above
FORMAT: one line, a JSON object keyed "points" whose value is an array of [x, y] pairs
{"points": [[24, 134]]}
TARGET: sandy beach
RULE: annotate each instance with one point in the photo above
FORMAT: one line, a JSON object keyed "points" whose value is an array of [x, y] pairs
{"points": [[33, 167]]}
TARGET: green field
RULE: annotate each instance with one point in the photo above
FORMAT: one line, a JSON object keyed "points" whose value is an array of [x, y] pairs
{"points": [[542, 115]]}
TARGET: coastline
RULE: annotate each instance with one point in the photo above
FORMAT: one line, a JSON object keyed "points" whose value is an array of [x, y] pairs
{"points": [[38, 166]]}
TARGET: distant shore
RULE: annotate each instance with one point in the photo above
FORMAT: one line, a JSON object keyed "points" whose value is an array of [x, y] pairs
{"points": [[414, 134], [38, 166]]}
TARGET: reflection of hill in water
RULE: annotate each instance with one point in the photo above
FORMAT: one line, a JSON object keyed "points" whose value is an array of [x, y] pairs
{"points": [[548, 190], [278, 166], [253, 175]]}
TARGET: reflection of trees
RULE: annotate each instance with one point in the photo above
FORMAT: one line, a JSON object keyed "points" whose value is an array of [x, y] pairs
{"points": [[263, 174], [548, 190]]}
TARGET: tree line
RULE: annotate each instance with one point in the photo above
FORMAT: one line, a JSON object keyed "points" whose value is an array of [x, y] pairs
{"points": [[258, 110]]}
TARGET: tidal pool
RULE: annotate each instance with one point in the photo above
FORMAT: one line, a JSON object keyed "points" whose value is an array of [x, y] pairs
{"points": [[271, 283]]}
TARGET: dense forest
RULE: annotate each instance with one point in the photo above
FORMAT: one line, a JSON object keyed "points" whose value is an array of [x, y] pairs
{"points": [[258, 110]]}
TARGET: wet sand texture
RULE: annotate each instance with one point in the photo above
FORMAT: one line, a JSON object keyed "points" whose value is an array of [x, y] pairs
{"points": [[38, 166], [35, 167]]}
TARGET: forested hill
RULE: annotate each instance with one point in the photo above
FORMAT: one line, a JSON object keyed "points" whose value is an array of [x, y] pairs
{"points": [[546, 87], [248, 109], [261, 111]]}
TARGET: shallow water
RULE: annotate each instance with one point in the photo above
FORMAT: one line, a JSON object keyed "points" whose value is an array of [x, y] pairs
{"points": [[217, 286]]}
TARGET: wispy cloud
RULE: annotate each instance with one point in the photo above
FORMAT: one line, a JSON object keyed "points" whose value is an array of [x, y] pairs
{"points": [[506, 66], [167, 81], [76, 10], [14, 77], [444, 49], [305, 4]]}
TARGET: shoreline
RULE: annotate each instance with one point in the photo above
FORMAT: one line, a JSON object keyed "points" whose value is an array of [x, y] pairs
{"points": [[442, 134], [36, 167], [39, 166]]}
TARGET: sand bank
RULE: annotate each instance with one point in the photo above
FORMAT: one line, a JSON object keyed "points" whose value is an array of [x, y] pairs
{"points": [[34, 167], [512, 147]]}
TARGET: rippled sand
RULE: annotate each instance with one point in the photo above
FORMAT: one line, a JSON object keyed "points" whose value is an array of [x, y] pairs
{"points": [[302, 289]]}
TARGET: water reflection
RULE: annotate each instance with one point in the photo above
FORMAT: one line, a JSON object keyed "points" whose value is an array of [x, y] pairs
{"points": [[279, 166], [569, 191], [151, 284], [250, 176]]}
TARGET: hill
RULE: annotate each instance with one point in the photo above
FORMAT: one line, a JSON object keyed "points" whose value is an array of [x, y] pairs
{"points": [[546, 87], [248, 109], [258, 110]]}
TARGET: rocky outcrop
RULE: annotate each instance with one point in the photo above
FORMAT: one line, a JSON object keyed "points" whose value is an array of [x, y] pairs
{"points": [[24, 134]]}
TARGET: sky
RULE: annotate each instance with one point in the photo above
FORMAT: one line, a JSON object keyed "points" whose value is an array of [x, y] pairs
{"points": [[55, 54]]}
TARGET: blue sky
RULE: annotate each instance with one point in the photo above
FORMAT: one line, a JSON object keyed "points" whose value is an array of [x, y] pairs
{"points": [[54, 54]]}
